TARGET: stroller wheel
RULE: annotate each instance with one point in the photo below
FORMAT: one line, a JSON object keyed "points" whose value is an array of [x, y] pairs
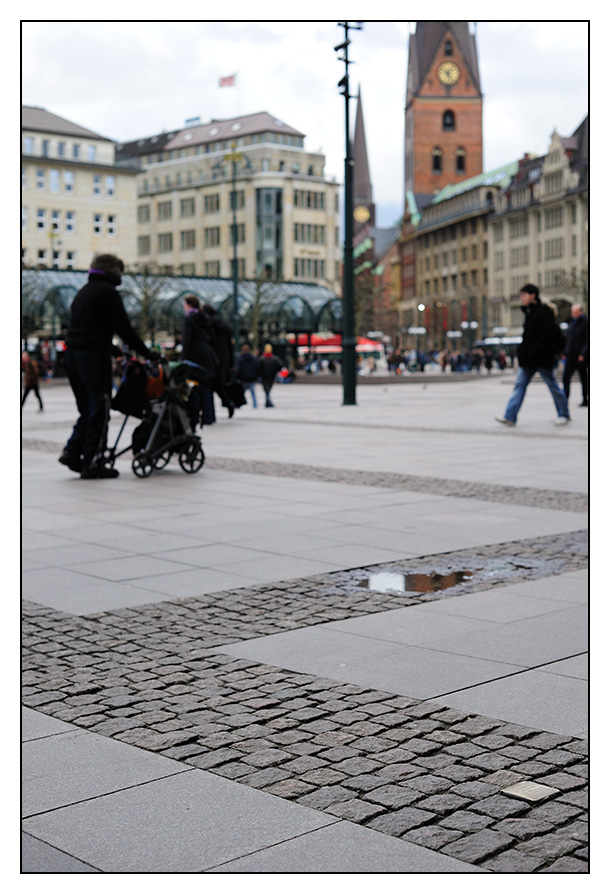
{"points": [[191, 458], [142, 465], [160, 462]]}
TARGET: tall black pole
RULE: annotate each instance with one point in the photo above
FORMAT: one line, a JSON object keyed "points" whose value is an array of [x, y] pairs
{"points": [[235, 297], [349, 333]]}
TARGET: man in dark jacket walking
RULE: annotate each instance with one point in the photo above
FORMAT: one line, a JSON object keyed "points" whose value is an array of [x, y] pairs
{"points": [[577, 353], [223, 345], [269, 366], [536, 353], [97, 313], [198, 347]]}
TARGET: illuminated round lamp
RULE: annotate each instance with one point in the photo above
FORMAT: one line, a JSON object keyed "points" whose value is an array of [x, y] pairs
{"points": [[361, 214]]}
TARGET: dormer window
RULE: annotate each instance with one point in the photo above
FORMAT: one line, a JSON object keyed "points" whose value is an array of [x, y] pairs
{"points": [[448, 48]]}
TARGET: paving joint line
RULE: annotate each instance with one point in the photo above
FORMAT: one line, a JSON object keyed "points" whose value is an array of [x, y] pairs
{"points": [[565, 501]]}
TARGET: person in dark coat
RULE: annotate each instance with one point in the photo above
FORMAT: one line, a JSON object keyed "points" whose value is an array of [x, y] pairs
{"points": [[97, 313], [247, 371], [269, 366], [536, 353], [31, 376], [223, 345], [198, 347], [576, 353]]}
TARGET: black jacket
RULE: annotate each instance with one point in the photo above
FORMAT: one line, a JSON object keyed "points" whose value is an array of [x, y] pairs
{"points": [[577, 338], [269, 365], [248, 368], [197, 342], [539, 345], [98, 313]]}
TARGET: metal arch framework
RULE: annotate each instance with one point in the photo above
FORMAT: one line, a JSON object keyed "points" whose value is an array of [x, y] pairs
{"points": [[294, 307]]}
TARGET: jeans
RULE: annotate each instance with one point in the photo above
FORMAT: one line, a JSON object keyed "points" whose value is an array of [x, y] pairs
{"points": [[524, 377], [90, 376], [249, 386]]}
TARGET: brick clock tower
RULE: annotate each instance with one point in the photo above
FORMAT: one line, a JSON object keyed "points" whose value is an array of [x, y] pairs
{"points": [[444, 108]]}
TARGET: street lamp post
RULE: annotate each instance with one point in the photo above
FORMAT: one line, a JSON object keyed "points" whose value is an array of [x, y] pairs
{"points": [[349, 334]]}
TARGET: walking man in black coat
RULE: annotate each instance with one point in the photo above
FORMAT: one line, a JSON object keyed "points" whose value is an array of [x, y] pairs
{"points": [[536, 354], [577, 353]]}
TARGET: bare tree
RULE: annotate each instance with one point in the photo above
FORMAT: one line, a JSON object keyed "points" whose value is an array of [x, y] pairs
{"points": [[150, 289]]}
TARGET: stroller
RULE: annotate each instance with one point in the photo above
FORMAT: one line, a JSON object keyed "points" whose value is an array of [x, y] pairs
{"points": [[166, 399]]}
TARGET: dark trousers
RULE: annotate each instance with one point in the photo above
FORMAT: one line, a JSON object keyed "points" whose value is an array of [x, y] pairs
{"points": [[267, 386], [573, 365], [33, 388], [90, 377]]}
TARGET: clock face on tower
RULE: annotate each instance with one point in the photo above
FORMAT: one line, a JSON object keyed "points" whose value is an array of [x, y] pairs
{"points": [[448, 73]]}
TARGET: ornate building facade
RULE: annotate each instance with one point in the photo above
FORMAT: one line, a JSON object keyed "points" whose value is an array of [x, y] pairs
{"points": [[284, 225]]}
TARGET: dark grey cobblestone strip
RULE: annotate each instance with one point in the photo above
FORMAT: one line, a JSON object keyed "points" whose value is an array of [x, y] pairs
{"points": [[524, 496], [415, 770]]}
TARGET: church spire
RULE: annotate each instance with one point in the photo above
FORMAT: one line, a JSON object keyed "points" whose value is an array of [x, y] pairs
{"points": [[363, 188]]}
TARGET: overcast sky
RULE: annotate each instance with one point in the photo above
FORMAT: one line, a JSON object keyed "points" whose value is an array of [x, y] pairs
{"points": [[130, 79]]}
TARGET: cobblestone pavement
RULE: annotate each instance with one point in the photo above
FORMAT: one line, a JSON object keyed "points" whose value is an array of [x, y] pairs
{"points": [[416, 770]]}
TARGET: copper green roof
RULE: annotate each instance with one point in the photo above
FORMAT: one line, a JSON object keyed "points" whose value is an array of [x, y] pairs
{"points": [[498, 177]]}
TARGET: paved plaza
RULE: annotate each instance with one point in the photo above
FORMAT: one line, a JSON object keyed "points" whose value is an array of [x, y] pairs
{"points": [[356, 641]]}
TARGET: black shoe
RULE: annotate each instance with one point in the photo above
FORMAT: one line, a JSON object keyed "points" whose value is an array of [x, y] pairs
{"points": [[71, 460], [99, 472], [231, 409]]}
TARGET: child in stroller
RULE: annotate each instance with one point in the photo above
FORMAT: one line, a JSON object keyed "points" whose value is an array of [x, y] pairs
{"points": [[166, 398]]}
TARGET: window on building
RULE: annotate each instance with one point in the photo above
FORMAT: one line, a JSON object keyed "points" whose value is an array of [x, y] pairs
{"points": [[76, 150], [437, 160], [211, 203], [111, 225], [187, 207], [41, 219], [42, 255], [460, 160], [55, 260], [55, 221], [110, 185], [143, 245], [68, 181], [97, 224], [212, 236], [448, 120], [212, 268], [165, 242], [40, 178], [143, 213], [45, 148], [448, 48], [70, 221], [97, 184], [164, 210], [54, 180], [28, 145], [187, 239], [91, 150], [70, 258], [61, 150]]}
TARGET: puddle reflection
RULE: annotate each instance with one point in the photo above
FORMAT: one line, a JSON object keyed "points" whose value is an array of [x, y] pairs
{"points": [[392, 582]]}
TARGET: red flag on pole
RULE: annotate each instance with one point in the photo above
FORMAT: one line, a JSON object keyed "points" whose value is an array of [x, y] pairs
{"points": [[229, 81]]}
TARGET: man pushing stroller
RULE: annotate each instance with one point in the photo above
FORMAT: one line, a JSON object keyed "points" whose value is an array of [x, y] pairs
{"points": [[96, 315]]}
